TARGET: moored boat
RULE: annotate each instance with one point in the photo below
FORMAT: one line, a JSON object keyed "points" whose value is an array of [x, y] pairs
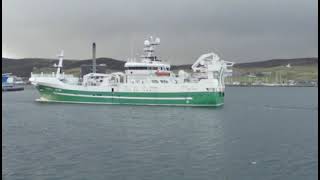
{"points": [[11, 83]]}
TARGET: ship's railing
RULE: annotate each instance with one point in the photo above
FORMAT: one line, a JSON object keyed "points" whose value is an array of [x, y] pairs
{"points": [[53, 74]]}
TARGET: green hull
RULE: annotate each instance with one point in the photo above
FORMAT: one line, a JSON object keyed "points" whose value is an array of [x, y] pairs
{"points": [[135, 98]]}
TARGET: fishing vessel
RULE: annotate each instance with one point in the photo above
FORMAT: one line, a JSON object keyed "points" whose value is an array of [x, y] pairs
{"points": [[147, 81]]}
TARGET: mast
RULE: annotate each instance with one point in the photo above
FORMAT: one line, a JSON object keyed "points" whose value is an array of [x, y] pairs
{"points": [[59, 66], [149, 48], [94, 66]]}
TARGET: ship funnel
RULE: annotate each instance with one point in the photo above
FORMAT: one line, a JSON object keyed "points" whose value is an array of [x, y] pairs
{"points": [[94, 66]]}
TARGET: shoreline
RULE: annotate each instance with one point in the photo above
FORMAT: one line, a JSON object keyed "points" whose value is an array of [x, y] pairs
{"points": [[268, 86]]}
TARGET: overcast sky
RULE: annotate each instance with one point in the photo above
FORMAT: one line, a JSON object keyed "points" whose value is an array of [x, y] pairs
{"points": [[237, 30]]}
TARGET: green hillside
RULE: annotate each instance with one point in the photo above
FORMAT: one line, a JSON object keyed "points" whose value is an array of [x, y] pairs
{"points": [[274, 70], [276, 74]]}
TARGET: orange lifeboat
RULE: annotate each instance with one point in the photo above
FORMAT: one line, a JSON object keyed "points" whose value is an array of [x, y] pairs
{"points": [[162, 73]]}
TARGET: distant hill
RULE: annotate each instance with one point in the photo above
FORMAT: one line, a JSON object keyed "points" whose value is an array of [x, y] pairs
{"points": [[278, 62], [23, 67]]}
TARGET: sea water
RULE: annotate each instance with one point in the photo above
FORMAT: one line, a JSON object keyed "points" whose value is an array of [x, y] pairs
{"points": [[260, 133]]}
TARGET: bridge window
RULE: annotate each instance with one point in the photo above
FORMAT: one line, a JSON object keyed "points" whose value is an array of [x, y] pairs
{"points": [[152, 68], [164, 81], [137, 68]]}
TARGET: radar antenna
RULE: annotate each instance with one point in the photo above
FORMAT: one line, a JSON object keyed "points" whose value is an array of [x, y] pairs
{"points": [[149, 45]]}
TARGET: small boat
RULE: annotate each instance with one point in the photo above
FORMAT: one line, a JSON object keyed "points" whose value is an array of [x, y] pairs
{"points": [[9, 83], [12, 88]]}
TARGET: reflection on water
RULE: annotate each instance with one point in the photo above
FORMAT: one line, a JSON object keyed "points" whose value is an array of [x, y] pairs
{"points": [[312, 108]]}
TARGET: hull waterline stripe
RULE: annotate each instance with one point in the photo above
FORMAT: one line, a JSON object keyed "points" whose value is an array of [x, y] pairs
{"points": [[125, 97], [97, 103]]}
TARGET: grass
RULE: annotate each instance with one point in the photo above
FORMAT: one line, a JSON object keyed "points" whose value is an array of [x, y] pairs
{"points": [[279, 73]]}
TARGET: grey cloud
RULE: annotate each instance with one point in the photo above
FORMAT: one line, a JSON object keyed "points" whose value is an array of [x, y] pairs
{"points": [[237, 30]]}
